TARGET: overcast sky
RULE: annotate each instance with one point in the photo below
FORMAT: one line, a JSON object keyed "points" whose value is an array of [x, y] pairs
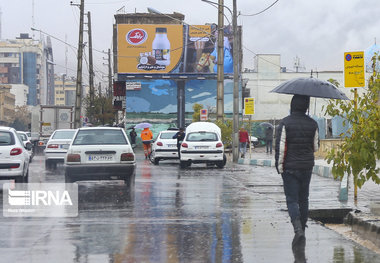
{"points": [[318, 32]]}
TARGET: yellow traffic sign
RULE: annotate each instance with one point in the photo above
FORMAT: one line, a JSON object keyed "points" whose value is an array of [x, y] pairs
{"points": [[249, 106], [354, 69]]}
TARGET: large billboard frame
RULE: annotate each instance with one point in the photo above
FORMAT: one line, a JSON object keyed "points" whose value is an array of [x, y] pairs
{"points": [[197, 42]]}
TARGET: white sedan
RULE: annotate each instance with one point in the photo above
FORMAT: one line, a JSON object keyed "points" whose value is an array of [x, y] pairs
{"points": [[100, 153], [25, 139], [164, 147], [56, 147], [14, 156]]}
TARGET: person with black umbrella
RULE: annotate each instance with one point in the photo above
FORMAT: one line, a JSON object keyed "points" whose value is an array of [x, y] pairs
{"points": [[269, 138], [296, 141], [133, 135]]}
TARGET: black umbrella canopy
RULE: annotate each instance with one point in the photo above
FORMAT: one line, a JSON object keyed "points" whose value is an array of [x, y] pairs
{"points": [[310, 87]]}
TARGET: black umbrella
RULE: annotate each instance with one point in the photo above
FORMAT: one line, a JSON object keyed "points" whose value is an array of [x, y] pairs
{"points": [[310, 87], [266, 125]]}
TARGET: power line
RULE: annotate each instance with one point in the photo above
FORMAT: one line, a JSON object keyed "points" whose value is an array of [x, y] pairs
{"points": [[270, 62], [262, 11]]}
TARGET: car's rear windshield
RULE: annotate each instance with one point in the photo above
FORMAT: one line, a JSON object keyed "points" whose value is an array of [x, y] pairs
{"points": [[167, 135], [202, 137], [63, 134], [6, 138], [23, 136], [99, 137]]}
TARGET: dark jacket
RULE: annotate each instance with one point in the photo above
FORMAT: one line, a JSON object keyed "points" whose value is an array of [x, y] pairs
{"points": [[180, 136], [269, 134], [296, 139]]}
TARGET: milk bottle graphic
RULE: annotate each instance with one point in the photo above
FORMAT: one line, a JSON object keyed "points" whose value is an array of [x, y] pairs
{"points": [[161, 47]]}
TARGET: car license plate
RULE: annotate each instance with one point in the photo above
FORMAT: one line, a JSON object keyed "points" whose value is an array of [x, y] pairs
{"points": [[95, 158], [201, 147], [64, 146], [172, 145]]}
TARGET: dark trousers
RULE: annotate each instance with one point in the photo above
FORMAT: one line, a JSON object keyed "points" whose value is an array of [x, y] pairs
{"points": [[296, 187], [269, 145]]}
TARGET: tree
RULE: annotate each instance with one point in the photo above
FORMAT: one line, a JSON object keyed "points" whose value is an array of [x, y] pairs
{"points": [[358, 152], [197, 112], [21, 118], [102, 111], [226, 129]]}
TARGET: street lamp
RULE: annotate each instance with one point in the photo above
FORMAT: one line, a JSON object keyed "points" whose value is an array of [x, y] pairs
{"points": [[235, 124]]}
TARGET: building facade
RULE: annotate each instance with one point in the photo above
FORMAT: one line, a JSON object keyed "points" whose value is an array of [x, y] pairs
{"points": [[7, 105], [30, 62], [65, 90], [268, 74]]}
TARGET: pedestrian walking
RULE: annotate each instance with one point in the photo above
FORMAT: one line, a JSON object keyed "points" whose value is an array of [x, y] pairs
{"points": [[296, 141], [180, 136], [133, 136], [269, 139], [147, 137], [243, 140]]}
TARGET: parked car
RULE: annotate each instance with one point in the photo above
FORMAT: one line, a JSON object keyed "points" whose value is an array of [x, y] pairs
{"points": [[25, 139], [56, 147], [202, 144], [100, 153], [254, 141], [164, 147], [14, 156]]}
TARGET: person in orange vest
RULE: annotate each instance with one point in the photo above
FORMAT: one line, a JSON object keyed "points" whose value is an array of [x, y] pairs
{"points": [[147, 137]]}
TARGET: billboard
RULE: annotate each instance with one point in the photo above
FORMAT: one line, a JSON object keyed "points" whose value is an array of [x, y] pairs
{"points": [[161, 49], [160, 96]]}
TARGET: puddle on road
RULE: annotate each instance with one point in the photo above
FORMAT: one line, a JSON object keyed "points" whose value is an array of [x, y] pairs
{"points": [[346, 231]]}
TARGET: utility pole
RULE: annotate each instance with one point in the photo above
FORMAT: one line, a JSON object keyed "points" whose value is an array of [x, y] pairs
{"points": [[109, 75], [220, 66], [91, 66], [78, 97], [236, 54]]}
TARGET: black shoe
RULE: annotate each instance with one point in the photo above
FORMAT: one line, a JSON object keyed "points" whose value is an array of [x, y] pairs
{"points": [[299, 234]]}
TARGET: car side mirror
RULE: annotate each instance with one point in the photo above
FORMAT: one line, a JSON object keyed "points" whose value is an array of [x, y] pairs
{"points": [[28, 146]]}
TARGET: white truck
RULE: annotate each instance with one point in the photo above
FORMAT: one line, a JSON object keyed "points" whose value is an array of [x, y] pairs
{"points": [[46, 119]]}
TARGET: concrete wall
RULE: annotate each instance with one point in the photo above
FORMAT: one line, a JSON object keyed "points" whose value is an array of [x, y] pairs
{"points": [[21, 94]]}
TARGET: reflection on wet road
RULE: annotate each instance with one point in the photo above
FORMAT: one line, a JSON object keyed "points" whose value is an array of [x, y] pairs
{"points": [[201, 214]]}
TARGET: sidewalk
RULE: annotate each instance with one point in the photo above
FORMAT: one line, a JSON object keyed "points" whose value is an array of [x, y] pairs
{"points": [[365, 216]]}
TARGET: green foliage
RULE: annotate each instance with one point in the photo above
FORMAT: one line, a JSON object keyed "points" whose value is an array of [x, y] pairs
{"points": [[226, 128], [197, 112], [334, 82], [359, 151], [102, 111]]}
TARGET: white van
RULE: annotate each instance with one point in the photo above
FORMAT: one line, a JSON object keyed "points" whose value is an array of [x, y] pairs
{"points": [[202, 144]]}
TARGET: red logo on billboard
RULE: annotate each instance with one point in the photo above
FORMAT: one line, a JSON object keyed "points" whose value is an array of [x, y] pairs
{"points": [[136, 36]]}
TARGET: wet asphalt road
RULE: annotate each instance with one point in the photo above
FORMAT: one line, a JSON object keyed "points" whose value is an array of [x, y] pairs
{"points": [[201, 214]]}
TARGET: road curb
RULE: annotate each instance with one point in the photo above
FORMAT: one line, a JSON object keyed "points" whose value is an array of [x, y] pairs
{"points": [[365, 226]]}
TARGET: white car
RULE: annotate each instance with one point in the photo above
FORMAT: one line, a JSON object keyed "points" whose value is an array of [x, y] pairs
{"points": [[164, 147], [202, 144], [25, 139], [100, 153], [254, 141], [14, 156], [56, 147]]}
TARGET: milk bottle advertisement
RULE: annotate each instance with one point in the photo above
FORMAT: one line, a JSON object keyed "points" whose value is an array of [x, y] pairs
{"points": [[174, 49], [149, 48]]}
